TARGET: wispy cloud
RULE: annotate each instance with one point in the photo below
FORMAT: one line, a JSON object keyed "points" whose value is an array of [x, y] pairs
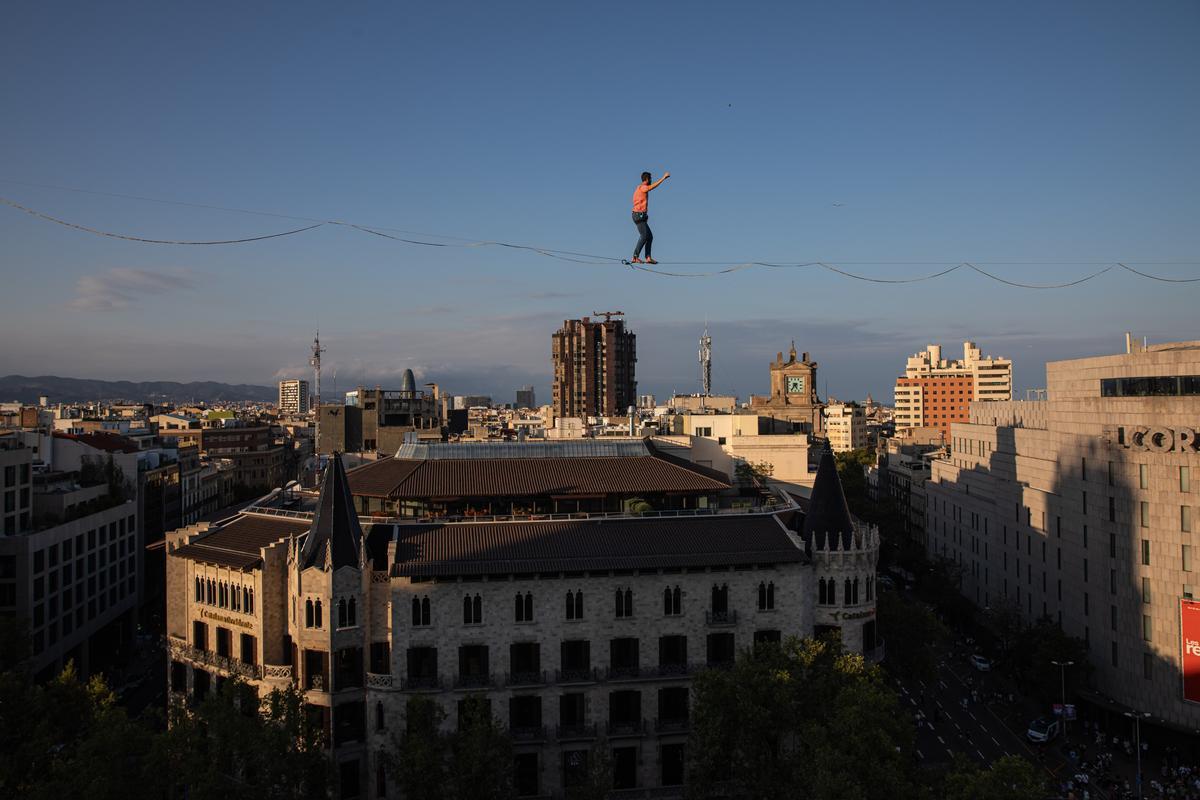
{"points": [[121, 287]]}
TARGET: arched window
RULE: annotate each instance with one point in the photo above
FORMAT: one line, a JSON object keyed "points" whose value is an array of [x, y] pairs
{"points": [[425, 611], [467, 610], [477, 609], [523, 607], [341, 605], [667, 601], [575, 604], [762, 596], [846, 592], [624, 603], [210, 593], [235, 598], [250, 604], [308, 613], [416, 611], [822, 593], [320, 622], [856, 591], [199, 592], [832, 599], [352, 613], [379, 724], [771, 595]]}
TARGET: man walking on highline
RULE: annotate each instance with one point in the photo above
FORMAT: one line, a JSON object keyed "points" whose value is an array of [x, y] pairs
{"points": [[641, 217]]}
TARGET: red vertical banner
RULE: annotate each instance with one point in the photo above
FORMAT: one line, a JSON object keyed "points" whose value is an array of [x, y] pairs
{"points": [[1189, 623]]}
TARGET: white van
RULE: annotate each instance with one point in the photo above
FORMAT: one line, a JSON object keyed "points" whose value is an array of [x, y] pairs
{"points": [[1042, 729]]}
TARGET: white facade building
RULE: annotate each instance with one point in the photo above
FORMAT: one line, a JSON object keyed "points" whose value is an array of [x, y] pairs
{"points": [[293, 397], [845, 427]]}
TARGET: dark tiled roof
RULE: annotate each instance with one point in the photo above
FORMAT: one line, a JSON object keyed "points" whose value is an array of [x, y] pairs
{"points": [[237, 544], [827, 515], [102, 440], [511, 547], [409, 478], [335, 524]]}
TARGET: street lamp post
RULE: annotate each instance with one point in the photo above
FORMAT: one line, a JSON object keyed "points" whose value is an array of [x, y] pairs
{"points": [[1062, 675], [1137, 717]]}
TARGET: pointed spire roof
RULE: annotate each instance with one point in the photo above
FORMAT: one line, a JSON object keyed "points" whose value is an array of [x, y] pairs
{"points": [[828, 517], [335, 538]]}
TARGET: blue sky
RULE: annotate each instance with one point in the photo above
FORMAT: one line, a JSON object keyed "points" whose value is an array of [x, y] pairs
{"points": [[1016, 132]]}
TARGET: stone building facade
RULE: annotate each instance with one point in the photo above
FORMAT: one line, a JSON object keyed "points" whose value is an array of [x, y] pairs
{"points": [[576, 627], [793, 395], [1082, 508]]}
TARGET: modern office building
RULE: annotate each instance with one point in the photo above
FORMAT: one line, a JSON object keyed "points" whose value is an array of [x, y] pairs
{"points": [[526, 397], [293, 397], [793, 395], [69, 562], [936, 392], [845, 426], [517, 572], [594, 368], [1082, 508]]}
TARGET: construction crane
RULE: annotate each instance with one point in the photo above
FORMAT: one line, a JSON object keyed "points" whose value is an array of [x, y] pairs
{"points": [[608, 315]]}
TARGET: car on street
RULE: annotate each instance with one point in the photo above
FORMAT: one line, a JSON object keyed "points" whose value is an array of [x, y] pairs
{"points": [[1042, 729], [981, 662]]}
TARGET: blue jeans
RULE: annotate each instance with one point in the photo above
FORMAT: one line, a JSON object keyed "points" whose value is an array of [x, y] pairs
{"points": [[646, 236]]}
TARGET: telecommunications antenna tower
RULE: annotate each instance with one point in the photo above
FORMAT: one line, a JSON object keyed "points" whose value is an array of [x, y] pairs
{"points": [[706, 362], [315, 361]]}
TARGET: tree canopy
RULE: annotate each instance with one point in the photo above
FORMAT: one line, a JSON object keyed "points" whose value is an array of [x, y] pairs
{"points": [[804, 719]]}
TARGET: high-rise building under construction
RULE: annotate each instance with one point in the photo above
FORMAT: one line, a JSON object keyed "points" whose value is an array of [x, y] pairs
{"points": [[594, 367]]}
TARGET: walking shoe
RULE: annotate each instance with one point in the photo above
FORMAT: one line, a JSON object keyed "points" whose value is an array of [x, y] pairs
{"points": [[651, 261], [635, 260]]}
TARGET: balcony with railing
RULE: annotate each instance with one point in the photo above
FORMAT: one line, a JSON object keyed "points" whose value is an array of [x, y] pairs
{"points": [[473, 680], [628, 673], [720, 618], [421, 683], [581, 675], [576, 731], [180, 649], [527, 678], [672, 725], [678, 670], [528, 733], [629, 727], [377, 680]]}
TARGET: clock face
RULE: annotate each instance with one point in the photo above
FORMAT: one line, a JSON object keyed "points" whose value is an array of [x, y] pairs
{"points": [[795, 384]]}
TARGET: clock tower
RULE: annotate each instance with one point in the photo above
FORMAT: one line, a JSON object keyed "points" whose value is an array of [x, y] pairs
{"points": [[793, 393]]}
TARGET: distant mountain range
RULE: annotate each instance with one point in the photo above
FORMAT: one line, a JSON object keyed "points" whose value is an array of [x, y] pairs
{"points": [[78, 390]]}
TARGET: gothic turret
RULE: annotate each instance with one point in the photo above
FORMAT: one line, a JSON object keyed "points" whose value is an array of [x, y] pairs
{"points": [[827, 523], [335, 538]]}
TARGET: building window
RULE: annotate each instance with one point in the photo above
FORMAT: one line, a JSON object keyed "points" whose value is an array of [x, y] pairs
{"points": [[1144, 476], [420, 612], [1185, 519], [1146, 591], [472, 610], [308, 613], [1112, 509], [1147, 665], [1144, 514], [523, 607], [1112, 617], [1147, 627], [1185, 479], [766, 596], [1114, 654], [575, 605], [624, 603], [1187, 558], [720, 599], [1145, 552], [199, 591], [672, 601]]}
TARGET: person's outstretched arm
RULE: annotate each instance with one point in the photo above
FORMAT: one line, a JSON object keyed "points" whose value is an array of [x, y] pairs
{"points": [[655, 185]]}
